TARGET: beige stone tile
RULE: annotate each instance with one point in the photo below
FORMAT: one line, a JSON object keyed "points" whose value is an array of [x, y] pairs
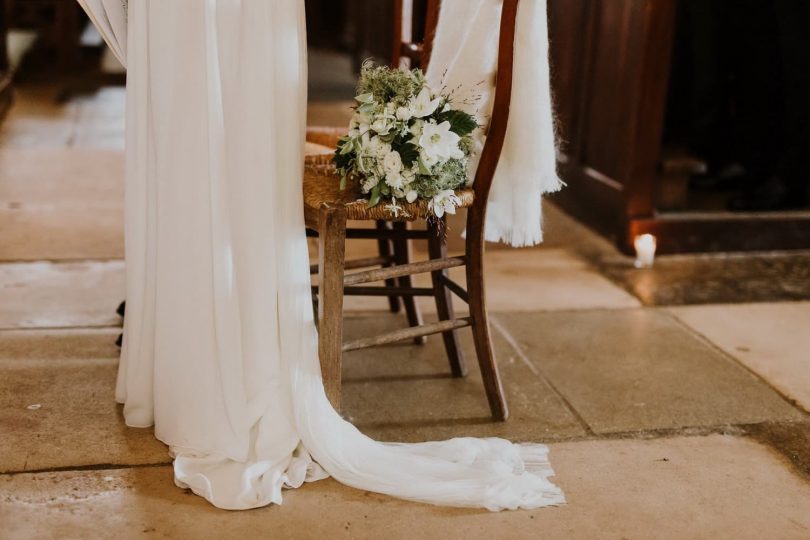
{"points": [[548, 279], [42, 294], [99, 137], [37, 132], [37, 119], [33, 233], [640, 369], [67, 378], [54, 175], [771, 339], [405, 392], [61, 204], [40, 119], [714, 487]]}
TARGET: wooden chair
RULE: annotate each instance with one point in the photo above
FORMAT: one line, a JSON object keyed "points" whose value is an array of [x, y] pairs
{"points": [[327, 210]]}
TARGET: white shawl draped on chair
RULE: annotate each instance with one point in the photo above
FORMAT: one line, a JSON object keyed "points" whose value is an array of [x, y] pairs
{"points": [[465, 52], [220, 348]]}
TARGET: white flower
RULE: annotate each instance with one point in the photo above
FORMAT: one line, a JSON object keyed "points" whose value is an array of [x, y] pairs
{"points": [[392, 162], [422, 105], [444, 202], [411, 196], [377, 148], [404, 114], [439, 143], [395, 180], [395, 209]]}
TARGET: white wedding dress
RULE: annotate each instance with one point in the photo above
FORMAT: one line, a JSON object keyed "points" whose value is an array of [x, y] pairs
{"points": [[220, 348]]}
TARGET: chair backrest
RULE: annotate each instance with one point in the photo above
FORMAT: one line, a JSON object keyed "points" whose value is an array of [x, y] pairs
{"points": [[417, 47], [414, 27]]}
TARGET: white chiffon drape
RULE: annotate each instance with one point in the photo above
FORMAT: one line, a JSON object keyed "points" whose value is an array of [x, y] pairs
{"points": [[463, 60], [220, 346]]}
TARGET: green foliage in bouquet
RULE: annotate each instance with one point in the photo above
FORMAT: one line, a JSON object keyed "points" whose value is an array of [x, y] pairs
{"points": [[405, 141]]}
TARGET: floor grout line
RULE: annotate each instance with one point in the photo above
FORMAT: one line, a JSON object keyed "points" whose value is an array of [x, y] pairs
{"points": [[77, 260], [89, 468], [510, 339], [5, 329], [736, 361], [734, 430]]}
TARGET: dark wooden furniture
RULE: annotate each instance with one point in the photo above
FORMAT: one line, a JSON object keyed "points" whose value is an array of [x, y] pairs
{"points": [[58, 53], [366, 36], [611, 65], [5, 68], [327, 212], [59, 24]]}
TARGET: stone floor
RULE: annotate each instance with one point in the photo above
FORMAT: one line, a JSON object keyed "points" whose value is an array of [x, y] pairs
{"points": [[674, 399]]}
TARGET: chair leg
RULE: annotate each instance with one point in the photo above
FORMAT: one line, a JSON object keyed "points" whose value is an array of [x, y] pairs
{"points": [[385, 248], [481, 335], [437, 247], [331, 258], [402, 255]]}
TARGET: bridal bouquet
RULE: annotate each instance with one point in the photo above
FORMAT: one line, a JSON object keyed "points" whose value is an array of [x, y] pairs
{"points": [[405, 142]]}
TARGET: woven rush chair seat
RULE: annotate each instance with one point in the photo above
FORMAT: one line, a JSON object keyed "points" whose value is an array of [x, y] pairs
{"points": [[322, 190]]}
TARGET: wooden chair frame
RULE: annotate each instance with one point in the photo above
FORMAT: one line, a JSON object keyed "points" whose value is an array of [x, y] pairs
{"points": [[328, 223]]}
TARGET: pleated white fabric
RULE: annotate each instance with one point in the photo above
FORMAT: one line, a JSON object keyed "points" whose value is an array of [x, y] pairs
{"points": [[110, 17], [220, 346], [463, 60]]}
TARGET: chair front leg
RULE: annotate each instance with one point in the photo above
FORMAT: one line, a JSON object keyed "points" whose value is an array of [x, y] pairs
{"points": [[331, 259]]}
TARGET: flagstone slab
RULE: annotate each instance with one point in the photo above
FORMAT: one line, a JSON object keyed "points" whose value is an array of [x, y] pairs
{"points": [[57, 403], [715, 487], [41, 119], [57, 390], [405, 392], [629, 370], [61, 203], [772, 339], [546, 279], [70, 294]]}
